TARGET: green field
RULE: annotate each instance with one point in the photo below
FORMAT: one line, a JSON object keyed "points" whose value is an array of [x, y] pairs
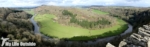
{"points": [[53, 29], [99, 12], [30, 11]]}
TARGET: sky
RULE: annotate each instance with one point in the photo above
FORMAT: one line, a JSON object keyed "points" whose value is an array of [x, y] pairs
{"points": [[32, 3]]}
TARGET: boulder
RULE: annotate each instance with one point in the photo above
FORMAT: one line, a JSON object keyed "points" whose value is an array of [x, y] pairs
{"points": [[122, 44], [109, 45], [146, 27]]}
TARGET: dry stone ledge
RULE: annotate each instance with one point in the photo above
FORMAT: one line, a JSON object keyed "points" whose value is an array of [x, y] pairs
{"points": [[140, 39]]}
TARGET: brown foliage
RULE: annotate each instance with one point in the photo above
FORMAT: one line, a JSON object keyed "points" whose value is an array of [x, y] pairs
{"points": [[15, 24], [81, 14]]}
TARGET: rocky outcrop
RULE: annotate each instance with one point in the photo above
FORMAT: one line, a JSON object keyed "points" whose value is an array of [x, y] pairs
{"points": [[139, 39], [140, 18], [109, 45], [136, 17]]}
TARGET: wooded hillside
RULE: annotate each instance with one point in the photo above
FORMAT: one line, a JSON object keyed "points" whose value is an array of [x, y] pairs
{"points": [[78, 17]]}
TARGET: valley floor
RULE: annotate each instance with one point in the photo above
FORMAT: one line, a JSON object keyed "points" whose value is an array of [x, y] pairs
{"points": [[53, 29]]}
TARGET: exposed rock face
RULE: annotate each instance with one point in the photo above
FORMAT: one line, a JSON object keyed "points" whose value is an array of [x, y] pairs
{"points": [[140, 39], [109, 45], [140, 18]]}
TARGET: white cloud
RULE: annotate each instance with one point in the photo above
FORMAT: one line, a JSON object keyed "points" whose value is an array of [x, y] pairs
{"points": [[17, 3], [51, 3], [22, 3]]}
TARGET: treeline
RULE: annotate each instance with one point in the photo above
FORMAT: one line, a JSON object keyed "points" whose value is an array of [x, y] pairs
{"points": [[135, 16], [85, 23], [123, 13], [89, 25], [16, 25]]}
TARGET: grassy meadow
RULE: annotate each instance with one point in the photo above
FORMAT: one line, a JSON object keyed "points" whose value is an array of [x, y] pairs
{"points": [[99, 12], [30, 11], [53, 29]]}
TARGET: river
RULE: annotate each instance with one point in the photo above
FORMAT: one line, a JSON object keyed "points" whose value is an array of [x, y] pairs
{"points": [[36, 27], [107, 39]]}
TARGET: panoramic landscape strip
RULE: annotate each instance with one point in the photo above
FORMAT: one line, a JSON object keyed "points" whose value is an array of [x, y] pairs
{"points": [[51, 28]]}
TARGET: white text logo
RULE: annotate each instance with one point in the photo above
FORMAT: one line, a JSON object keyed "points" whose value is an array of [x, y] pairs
{"points": [[5, 42]]}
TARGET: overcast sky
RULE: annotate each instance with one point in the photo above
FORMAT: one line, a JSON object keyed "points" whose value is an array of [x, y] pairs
{"points": [[28, 3]]}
